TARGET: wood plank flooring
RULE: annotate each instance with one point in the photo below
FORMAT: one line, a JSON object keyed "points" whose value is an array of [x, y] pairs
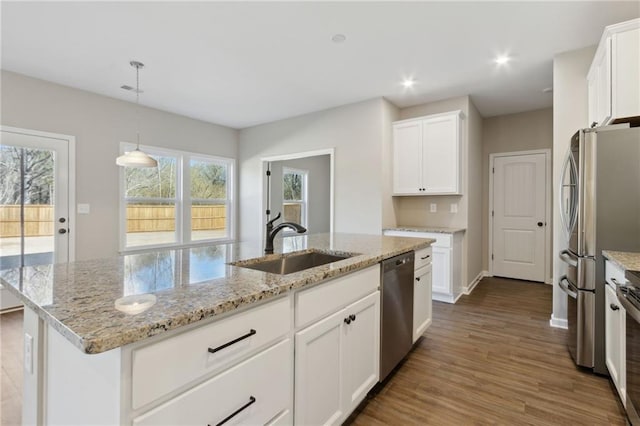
{"points": [[492, 359], [489, 359]]}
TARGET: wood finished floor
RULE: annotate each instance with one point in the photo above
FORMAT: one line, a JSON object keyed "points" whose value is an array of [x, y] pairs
{"points": [[493, 359], [489, 359]]}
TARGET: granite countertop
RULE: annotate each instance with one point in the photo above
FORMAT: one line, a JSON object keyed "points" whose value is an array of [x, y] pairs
{"points": [[437, 229], [628, 261], [78, 299]]}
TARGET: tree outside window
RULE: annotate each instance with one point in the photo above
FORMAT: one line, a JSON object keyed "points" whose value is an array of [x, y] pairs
{"points": [[294, 195]]}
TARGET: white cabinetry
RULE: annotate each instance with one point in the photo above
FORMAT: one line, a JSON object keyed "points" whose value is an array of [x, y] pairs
{"points": [[337, 357], [447, 263], [614, 76], [422, 305], [426, 155], [615, 329]]}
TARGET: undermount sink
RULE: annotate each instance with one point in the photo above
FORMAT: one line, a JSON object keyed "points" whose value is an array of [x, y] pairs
{"points": [[293, 262]]}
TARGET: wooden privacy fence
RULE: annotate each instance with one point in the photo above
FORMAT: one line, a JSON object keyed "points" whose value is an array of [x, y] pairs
{"points": [[38, 220], [292, 212], [140, 218], [156, 218]]}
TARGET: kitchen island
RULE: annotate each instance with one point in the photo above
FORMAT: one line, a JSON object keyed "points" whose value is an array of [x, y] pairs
{"points": [[95, 361]]}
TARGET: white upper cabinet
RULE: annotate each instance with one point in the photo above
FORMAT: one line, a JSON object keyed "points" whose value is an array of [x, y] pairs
{"points": [[614, 76], [426, 155]]}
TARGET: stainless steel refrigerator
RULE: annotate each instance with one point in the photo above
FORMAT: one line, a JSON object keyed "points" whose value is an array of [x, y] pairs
{"points": [[600, 210]]}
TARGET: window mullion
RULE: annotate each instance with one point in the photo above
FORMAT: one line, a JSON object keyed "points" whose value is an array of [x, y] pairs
{"points": [[185, 199]]}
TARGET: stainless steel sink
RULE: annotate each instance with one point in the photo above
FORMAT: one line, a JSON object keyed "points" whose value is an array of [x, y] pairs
{"points": [[293, 262]]}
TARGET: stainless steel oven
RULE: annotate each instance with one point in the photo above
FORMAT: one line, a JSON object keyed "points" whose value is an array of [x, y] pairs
{"points": [[629, 297]]}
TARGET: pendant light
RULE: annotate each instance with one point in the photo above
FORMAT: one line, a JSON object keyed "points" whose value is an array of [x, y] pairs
{"points": [[136, 158]]}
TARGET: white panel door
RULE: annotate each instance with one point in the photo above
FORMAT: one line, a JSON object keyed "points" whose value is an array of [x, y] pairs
{"points": [[407, 151], [361, 349], [318, 372], [440, 155], [519, 216]]}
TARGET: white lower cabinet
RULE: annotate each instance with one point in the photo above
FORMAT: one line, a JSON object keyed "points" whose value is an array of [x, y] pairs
{"points": [[256, 391], [422, 304], [615, 330], [337, 362]]}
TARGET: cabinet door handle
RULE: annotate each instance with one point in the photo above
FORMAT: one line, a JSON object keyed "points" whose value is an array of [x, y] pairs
{"points": [[235, 413], [614, 307], [352, 317], [347, 320], [221, 347], [417, 278], [426, 257]]}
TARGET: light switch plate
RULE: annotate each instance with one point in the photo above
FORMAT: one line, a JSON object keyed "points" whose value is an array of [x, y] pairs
{"points": [[433, 208], [28, 353], [84, 208], [454, 207]]}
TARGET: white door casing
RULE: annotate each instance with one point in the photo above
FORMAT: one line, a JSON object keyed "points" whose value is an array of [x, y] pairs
{"points": [[518, 215]]}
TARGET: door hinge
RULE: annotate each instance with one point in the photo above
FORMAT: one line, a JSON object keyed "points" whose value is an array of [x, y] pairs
{"points": [[491, 256], [492, 213], [493, 170]]}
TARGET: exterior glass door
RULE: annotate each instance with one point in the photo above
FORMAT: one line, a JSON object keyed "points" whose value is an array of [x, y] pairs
{"points": [[34, 221]]}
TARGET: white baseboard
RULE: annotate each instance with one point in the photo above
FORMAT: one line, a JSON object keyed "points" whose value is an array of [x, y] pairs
{"points": [[444, 297], [469, 288], [558, 322]]}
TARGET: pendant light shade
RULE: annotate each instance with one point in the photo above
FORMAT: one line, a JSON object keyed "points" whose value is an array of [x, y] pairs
{"points": [[136, 158]]}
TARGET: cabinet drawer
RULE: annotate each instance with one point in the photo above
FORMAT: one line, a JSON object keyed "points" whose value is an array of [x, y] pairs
{"points": [[265, 379], [423, 258], [169, 364], [613, 274], [327, 298]]}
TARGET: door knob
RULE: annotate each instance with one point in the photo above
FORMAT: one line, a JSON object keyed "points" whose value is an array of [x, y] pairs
{"points": [[540, 224], [62, 231]]}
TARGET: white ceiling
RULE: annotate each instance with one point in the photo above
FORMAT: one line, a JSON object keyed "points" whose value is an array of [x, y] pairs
{"points": [[241, 64]]}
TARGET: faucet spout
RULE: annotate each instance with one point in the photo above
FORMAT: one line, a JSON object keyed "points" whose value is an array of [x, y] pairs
{"points": [[272, 231]]}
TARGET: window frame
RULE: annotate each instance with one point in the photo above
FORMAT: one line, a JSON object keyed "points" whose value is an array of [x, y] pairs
{"points": [[183, 202], [304, 215]]}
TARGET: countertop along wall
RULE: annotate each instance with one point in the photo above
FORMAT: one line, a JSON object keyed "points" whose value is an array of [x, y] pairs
{"points": [[523, 131], [99, 124], [570, 113]]}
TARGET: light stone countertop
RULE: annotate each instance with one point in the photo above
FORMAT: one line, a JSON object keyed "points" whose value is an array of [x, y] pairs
{"points": [[190, 284], [436, 229], [629, 261]]}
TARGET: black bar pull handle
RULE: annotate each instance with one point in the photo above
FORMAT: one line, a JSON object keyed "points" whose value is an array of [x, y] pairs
{"points": [[426, 257], [614, 307], [235, 413], [221, 347]]}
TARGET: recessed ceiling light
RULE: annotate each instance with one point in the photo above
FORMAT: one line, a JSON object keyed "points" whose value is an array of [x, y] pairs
{"points": [[408, 83], [502, 59], [338, 38]]}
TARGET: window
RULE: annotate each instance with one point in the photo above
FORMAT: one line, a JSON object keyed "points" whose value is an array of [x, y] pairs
{"points": [[294, 195], [187, 198]]}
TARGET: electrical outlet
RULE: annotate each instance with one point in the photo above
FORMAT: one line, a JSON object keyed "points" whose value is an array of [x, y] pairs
{"points": [[433, 208], [28, 353], [454, 207]]}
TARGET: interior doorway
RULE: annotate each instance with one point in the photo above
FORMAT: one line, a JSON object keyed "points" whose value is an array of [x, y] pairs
{"points": [[519, 216], [35, 200]]}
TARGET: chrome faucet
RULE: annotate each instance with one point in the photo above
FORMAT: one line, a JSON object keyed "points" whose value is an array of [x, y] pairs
{"points": [[273, 230]]}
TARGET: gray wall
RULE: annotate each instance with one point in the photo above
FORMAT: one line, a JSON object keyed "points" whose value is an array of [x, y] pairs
{"points": [[570, 113], [508, 133], [356, 133], [319, 190], [99, 124]]}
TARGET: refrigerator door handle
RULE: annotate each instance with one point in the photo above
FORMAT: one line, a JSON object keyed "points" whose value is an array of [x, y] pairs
{"points": [[566, 285], [568, 258]]}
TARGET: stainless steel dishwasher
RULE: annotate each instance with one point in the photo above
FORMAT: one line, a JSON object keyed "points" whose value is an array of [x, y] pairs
{"points": [[396, 312]]}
